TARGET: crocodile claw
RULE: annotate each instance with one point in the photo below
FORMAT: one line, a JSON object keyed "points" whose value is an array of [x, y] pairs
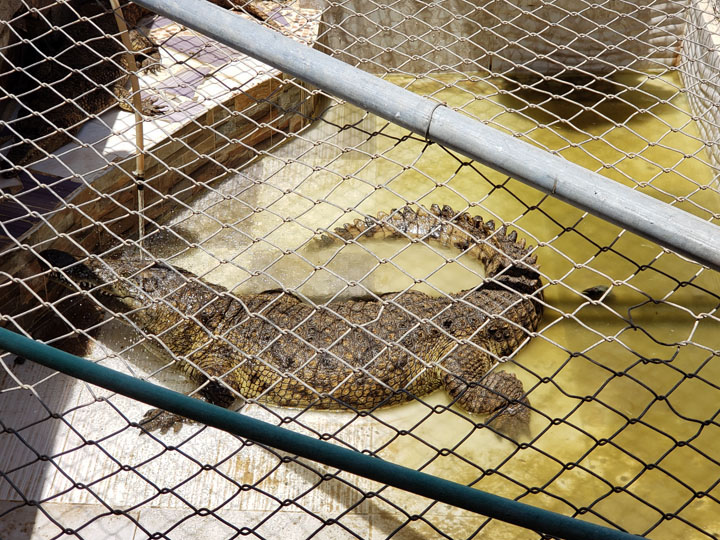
{"points": [[513, 421], [159, 420], [152, 106]]}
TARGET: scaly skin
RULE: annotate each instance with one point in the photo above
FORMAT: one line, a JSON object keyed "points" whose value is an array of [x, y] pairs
{"points": [[85, 73], [358, 354]]}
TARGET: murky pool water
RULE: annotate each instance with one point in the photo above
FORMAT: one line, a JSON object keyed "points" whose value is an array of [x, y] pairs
{"points": [[622, 388]]}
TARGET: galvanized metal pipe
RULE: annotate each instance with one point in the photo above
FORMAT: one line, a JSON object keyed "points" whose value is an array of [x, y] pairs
{"points": [[668, 226]]}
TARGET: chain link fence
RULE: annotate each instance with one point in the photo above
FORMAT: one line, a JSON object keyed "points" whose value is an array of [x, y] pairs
{"points": [[247, 174]]}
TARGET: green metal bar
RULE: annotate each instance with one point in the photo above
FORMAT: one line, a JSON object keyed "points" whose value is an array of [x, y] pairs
{"points": [[374, 468]]}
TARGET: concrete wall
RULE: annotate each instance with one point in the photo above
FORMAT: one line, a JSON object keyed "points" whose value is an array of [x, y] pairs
{"points": [[700, 69], [529, 37]]}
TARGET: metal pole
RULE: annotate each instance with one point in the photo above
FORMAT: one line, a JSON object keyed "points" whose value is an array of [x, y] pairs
{"points": [[657, 221], [371, 467]]}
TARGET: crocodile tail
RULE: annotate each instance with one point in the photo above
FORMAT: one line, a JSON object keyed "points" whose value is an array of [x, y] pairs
{"points": [[495, 249]]}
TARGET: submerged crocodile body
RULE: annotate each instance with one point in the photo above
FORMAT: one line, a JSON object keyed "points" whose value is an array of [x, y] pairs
{"points": [[358, 354]]}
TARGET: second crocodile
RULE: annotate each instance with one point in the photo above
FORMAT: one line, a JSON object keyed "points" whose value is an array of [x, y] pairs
{"points": [[356, 354], [72, 67]]}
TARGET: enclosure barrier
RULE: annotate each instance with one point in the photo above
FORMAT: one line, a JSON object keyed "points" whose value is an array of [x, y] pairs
{"points": [[347, 460], [620, 205], [248, 172]]}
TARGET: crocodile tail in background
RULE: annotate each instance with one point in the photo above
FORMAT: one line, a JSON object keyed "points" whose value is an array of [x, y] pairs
{"points": [[497, 250]]}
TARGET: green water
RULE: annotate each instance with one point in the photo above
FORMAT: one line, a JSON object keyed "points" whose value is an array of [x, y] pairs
{"points": [[654, 327]]}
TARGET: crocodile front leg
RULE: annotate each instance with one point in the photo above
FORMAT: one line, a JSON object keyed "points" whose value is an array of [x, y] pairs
{"points": [[147, 54], [148, 59], [213, 391], [498, 393]]}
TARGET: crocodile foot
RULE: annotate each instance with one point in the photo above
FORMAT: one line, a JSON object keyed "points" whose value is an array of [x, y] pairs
{"points": [[151, 107], [499, 394], [512, 420], [159, 420]]}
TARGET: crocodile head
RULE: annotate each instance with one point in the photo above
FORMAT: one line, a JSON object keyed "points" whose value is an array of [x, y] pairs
{"points": [[122, 284]]}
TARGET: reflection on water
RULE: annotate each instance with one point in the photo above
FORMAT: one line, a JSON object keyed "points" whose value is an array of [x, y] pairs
{"points": [[616, 384]]}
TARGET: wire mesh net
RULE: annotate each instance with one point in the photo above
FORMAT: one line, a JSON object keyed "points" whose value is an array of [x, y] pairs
{"points": [[248, 173]]}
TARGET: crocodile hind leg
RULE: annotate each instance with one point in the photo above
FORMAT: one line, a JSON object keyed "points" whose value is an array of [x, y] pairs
{"points": [[147, 54], [498, 393], [80, 83], [148, 59]]}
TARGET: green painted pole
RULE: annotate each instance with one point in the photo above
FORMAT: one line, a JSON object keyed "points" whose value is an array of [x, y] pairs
{"points": [[374, 468]]}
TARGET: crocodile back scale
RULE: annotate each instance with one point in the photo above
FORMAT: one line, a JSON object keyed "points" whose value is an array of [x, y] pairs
{"points": [[358, 353]]}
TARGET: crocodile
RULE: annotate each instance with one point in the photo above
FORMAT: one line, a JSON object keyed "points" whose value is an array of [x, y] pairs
{"points": [[354, 354], [73, 68]]}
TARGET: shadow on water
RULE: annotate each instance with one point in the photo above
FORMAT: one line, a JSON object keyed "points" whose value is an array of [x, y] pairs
{"points": [[585, 102]]}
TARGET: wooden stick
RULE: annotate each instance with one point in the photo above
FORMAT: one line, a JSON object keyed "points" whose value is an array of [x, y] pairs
{"points": [[137, 105]]}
